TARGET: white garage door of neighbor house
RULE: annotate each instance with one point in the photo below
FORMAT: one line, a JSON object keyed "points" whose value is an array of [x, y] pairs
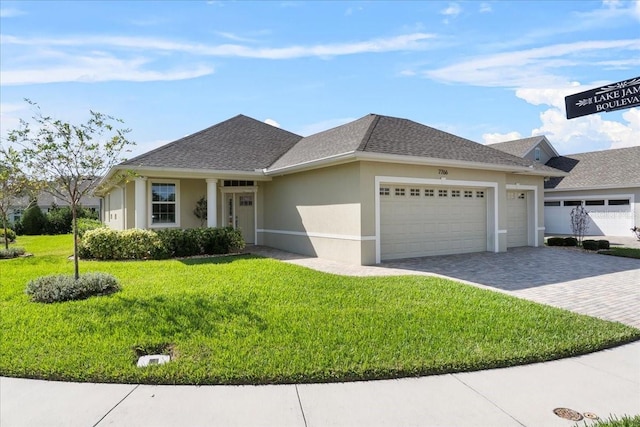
{"points": [[517, 226], [424, 221], [609, 216]]}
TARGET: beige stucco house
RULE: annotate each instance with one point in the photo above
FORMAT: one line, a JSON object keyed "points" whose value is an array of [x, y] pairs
{"points": [[606, 183], [374, 189]]}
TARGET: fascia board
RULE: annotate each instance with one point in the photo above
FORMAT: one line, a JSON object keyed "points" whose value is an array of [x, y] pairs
{"points": [[599, 187], [432, 161]]}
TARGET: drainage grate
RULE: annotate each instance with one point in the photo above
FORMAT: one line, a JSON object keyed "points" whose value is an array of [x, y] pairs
{"points": [[568, 414], [153, 359]]}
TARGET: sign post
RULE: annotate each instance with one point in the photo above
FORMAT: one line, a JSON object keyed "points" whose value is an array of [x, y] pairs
{"points": [[616, 96]]}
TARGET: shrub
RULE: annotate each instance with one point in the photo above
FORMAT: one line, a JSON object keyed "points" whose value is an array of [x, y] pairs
{"points": [[555, 241], [180, 243], [12, 252], [603, 244], [60, 287], [11, 235], [18, 228], [86, 224], [140, 244], [33, 221], [104, 243], [590, 245], [570, 241], [59, 220]]}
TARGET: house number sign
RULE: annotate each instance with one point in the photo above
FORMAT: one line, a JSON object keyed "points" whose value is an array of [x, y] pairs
{"points": [[443, 172]]}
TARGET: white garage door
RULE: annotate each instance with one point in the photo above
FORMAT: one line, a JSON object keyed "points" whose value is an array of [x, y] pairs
{"points": [[423, 221], [517, 226], [609, 216]]}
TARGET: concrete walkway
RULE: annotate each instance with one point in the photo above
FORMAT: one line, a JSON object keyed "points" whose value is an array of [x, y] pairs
{"points": [[602, 383]]}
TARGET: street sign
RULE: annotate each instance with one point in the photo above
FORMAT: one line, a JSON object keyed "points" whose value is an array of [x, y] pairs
{"points": [[616, 96]]}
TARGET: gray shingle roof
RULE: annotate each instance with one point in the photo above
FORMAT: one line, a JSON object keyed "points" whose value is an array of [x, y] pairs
{"points": [[619, 167], [390, 135], [239, 144], [517, 147]]}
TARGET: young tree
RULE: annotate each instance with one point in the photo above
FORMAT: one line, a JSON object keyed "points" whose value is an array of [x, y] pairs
{"points": [[12, 184], [201, 210], [579, 222], [68, 160]]}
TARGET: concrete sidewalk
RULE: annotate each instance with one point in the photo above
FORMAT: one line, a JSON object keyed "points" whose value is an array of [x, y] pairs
{"points": [[603, 383]]}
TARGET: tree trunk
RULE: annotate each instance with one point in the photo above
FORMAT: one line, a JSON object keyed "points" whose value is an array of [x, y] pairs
{"points": [[6, 238], [74, 224]]}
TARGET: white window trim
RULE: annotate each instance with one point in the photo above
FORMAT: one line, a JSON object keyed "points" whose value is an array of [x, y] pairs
{"points": [[436, 182], [150, 203]]}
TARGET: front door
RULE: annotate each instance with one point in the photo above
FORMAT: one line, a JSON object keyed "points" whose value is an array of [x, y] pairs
{"points": [[241, 214]]}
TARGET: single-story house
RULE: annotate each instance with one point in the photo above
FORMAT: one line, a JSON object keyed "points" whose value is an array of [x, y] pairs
{"points": [[46, 202], [606, 183], [374, 189]]}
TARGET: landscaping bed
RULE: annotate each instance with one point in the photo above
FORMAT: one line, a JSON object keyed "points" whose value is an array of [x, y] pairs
{"points": [[250, 320]]}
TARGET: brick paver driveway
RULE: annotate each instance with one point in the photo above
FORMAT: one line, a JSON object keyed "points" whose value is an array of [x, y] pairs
{"points": [[597, 285]]}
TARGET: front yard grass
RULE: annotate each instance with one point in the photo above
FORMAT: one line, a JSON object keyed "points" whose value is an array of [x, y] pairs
{"points": [[622, 252], [250, 320]]}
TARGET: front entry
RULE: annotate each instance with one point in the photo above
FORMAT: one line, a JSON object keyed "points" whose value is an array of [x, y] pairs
{"points": [[240, 212]]}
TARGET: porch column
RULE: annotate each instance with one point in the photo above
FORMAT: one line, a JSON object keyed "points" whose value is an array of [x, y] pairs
{"points": [[141, 202], [212, 203]]}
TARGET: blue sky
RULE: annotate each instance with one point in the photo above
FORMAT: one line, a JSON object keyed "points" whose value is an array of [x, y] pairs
{"points": [[486, 70]]}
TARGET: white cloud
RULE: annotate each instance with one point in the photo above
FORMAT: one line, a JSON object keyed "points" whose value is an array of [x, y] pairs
{"points": [[272, 123], [97, 67], [531, 67], [493, 138], [8, 12], [48, 60], [453, 10], [235, 37], [10, 114], [635, 11], [485, 7]]}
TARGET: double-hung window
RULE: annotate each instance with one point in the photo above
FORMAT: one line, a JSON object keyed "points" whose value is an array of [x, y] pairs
{"points": [[164, 203]]}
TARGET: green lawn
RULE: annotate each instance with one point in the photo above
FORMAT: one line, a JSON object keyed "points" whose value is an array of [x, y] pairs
{"points": [[622, 252], [243, 319]]}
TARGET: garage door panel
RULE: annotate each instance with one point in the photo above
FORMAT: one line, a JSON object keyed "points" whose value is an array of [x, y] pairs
{"points": [[414, 226]]}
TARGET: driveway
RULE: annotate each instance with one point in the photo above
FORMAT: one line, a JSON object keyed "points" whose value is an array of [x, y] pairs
{"points": [[596, 285]]}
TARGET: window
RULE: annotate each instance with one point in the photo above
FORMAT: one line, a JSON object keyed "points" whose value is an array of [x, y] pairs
{"points": [[619, 202], [414, 192], [455, 193], [521, 196], [468, 194], [429, 192], [572, 203], [236, 183], [594, 203], [443, 193], [537, 154], [480, 194], [399, 191], [163, 203], [246, 200], [554, 203], [384, 191]]}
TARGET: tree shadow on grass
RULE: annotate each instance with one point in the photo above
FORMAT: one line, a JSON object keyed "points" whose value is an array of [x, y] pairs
{"points": [[181, 315], [218, 259]]}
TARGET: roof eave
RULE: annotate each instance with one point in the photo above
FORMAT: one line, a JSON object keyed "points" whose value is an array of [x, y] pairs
{"points": [[312, 164], [434, 161], [599, 187]]}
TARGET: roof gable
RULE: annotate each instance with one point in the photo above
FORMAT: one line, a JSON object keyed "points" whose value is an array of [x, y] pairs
{"points": [[608, 168], [393, 136], [239, 144], [522, 147]]}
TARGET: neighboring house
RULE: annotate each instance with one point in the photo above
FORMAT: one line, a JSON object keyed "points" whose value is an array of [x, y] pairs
{"points": [[374, 189], [46, 201], [606, 183]]}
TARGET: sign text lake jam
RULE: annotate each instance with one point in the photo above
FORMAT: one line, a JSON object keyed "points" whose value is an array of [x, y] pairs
{"points": [[616, 96]]}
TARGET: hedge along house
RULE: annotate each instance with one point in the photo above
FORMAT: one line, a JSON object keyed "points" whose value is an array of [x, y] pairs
{"points": [[606, 183], [375, 189]]}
